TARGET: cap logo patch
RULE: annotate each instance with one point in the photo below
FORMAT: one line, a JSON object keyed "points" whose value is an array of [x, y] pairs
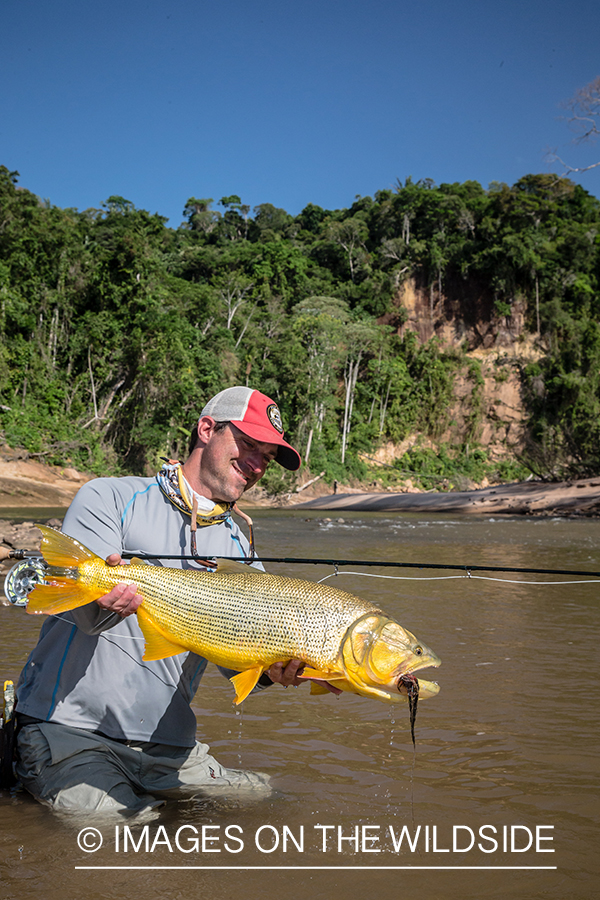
{"points": [[275, 417]]}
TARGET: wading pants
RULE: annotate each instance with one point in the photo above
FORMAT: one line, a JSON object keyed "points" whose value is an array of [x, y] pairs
{"points": [[72, 769]]}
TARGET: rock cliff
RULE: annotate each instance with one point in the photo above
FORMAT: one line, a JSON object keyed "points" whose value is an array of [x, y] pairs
{"points": [[488, 409]]}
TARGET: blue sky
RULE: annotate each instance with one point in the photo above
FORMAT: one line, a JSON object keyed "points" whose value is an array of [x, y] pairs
{"points": [[286, 103]]}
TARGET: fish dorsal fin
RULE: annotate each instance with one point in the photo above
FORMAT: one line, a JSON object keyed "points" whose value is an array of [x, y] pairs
{"points": [[246, 682], [157, 645], [136, 561], [232, 567]]}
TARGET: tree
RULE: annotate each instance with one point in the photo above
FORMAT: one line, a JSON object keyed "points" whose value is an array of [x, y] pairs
{"points": [[319, 322], [269, 220], [311, 218], [233, 289], [200, 216], [350, 235], [115, 329], [236, 217], [117, 204], [357, 336]]}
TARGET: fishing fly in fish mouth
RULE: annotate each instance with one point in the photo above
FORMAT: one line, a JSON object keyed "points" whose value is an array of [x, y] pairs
{"points": [[409, 684]]}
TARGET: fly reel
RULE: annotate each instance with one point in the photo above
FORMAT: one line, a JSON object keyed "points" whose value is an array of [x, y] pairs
{"points": [[22, 578]]}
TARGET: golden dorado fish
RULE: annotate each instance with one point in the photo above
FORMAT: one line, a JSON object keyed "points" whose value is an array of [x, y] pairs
{"points": [[244, 619]]}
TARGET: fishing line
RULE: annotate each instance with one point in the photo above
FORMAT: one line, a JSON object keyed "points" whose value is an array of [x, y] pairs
{"points": [[137, 662], [118, 646], [123, 637], [126, 637], [450, 578], [465, 569]]}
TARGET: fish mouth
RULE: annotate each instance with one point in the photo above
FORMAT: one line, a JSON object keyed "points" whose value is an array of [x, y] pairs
{"points": [[407, 677], [426, 688]]}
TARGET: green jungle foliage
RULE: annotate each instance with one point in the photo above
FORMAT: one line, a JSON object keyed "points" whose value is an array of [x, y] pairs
{"points": [[115, 329]]}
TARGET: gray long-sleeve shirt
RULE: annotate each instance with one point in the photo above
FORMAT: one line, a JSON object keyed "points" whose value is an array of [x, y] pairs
{"points": [[87, 669]]}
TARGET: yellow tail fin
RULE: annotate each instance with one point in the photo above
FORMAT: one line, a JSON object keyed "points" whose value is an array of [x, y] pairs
{"points": [[61, 592], [61, 595], [61, 550]]}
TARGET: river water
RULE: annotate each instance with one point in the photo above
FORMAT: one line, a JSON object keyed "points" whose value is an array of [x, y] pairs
{"points": [[510, 745]]}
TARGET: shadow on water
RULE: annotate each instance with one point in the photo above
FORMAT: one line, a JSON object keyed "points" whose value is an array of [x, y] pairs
{"points": [[509, 743]]}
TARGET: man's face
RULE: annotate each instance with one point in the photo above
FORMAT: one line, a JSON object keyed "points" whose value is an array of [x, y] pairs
{"points": [[232, 463]]}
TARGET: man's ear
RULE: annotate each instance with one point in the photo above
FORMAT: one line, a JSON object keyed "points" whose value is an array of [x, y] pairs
{"points": [[206, 427]]}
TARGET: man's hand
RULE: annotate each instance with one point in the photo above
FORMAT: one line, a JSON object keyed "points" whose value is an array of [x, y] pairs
{"points": [[287, 673], [124, 598]]}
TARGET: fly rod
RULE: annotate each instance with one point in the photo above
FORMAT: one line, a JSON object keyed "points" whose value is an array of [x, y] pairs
{"points": [[337, 562]]}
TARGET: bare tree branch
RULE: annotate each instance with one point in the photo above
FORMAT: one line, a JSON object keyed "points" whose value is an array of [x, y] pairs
{"points": [[554, 157], [584, 107]]}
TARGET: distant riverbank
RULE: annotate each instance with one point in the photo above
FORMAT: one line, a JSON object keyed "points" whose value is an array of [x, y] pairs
{"points": [[26, 484], [580, 498]]}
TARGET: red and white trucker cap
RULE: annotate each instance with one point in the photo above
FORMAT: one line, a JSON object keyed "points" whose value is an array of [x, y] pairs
{"points": [[257, 416]]}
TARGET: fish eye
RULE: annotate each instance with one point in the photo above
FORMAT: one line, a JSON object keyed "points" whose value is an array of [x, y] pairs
{"points": [[418, 651]]}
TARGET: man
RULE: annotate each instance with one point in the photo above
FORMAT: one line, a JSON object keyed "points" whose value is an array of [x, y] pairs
{"points": [[100, 729]]}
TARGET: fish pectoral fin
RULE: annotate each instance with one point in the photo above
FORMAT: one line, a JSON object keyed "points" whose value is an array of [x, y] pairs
{"points": [[339, 683], [246, 682], [157, 645], [308, 672], [318, 688]]}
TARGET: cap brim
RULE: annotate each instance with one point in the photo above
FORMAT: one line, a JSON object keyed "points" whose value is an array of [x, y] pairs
{"points": [[286, 455]]}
